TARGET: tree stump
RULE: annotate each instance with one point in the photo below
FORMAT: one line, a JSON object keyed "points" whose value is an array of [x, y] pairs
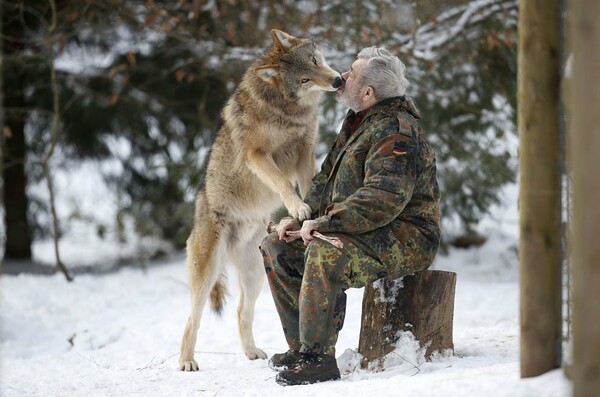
{"points": [[422, 303]]}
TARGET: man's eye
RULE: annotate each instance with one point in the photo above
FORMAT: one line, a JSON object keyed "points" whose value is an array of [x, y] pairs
{"points": [[304, 81], [314, 61]]}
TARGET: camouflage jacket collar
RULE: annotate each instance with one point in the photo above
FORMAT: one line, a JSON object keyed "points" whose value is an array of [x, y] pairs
{"points": [[351, 130], [354, 119], [391, 105]]}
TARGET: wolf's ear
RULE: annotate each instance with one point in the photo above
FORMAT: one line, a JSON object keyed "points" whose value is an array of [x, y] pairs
{"points": [[267, 72], [284, 41]]}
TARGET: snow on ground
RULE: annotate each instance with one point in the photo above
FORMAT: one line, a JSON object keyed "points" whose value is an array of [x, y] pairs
{"points": [[118, 335]]}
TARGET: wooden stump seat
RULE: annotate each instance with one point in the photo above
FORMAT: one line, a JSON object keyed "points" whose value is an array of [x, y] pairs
{"points": [[422, 303]]}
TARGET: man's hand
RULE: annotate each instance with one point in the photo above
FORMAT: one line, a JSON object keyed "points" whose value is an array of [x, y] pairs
{"points": [[308, 227], [285, 225]]}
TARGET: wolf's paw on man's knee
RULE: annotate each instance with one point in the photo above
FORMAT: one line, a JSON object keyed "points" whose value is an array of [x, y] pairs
{"points": [[188, 366], [255, 353]]}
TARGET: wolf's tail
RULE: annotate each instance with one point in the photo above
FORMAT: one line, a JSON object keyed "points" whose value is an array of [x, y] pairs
{"points": [[218, 294]]}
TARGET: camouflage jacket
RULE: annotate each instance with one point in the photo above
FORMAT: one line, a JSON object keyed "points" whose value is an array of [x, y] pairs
{"points": [[380, 186]]}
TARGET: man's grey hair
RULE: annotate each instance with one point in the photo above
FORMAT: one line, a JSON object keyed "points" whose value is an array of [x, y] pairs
{"points": [[384, 72]]}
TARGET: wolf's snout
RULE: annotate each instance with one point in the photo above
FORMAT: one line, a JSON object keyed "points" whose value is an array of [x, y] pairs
{"points": [[338, 82]]}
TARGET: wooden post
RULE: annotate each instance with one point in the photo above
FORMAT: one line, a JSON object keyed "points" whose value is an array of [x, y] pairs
{"points": [[539, 187], [584, 104], [422, 303]]}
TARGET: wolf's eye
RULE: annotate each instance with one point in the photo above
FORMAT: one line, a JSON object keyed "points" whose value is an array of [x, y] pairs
{"points": [[314, 61], [304, 81]]}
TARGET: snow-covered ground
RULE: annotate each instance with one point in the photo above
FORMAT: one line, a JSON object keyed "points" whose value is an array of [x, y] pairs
{"points": [[118, 334]]}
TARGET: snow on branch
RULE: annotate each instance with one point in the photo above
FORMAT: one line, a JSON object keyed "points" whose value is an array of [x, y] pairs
{"points": [[450, 24]]}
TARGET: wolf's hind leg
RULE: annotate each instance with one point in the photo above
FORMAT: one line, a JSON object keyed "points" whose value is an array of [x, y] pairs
{"points": [[251, 274], [204, 263]]}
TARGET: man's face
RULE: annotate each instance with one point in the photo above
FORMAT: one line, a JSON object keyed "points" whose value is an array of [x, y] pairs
{"points": [[350, 94]]}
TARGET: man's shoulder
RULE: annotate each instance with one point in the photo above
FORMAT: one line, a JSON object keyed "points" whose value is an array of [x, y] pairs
{"points": [[391, 122]]}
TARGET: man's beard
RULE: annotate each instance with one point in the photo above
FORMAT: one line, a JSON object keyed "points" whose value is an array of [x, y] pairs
{"points": [[350, 98]]}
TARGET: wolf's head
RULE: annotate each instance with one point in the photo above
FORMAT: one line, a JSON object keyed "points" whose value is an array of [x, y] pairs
{"points": [[296, 67]]}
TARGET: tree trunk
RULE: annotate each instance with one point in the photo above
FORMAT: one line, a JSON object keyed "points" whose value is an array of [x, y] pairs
{"points": [[422, 303], [584, 246], [18, 233], [539, 187]]}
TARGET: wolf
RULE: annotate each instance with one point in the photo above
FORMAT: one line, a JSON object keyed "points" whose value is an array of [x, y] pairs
{"points": [[263, 149]]}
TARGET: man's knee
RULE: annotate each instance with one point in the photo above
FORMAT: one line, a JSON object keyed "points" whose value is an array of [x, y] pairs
{"points": [[269, 247], [277, 253], [270, 241]]}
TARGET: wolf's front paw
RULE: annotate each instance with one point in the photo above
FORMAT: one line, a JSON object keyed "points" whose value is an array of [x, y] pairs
{"points": [[303, 212], [255, 353], [188, 366]]}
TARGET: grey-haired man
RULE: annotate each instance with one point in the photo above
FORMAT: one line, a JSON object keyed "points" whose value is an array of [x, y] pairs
{"points": [[377, 194]]}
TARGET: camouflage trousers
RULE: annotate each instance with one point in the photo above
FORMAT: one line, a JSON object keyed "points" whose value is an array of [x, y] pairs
{"points": [[308, 284]]}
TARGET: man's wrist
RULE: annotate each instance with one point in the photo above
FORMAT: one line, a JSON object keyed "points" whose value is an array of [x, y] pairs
{"points": [[323, 223]]}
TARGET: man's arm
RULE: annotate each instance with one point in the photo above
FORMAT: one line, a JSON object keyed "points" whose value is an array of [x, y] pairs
{"points": [[390, 177]]}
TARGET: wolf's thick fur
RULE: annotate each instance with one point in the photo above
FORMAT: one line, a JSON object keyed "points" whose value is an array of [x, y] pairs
{"points": [[264, 147]]}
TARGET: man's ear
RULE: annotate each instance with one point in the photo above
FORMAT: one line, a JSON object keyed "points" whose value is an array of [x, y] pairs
{"points": [[284, 41], [267, 72], [369, 93]]}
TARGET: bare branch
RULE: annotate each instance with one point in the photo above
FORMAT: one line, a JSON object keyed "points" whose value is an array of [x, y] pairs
{"points": [[54, 134], [25, 9]]}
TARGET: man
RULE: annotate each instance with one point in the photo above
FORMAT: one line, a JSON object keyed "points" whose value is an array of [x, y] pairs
{"points": [[377, 193]]}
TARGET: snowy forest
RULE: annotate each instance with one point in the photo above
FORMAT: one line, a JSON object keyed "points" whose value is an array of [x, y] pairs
{"points": [[133, 90], [109, 112]]}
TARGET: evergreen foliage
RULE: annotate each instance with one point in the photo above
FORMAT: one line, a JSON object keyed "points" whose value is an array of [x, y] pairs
{"points": [[142, 83]]}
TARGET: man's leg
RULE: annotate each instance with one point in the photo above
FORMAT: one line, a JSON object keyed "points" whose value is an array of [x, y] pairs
{"points": [[284, 265], [328, 272]]}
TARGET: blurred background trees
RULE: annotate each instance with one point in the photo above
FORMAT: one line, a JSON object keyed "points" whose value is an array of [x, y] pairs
{"points": [[141, 85]]}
